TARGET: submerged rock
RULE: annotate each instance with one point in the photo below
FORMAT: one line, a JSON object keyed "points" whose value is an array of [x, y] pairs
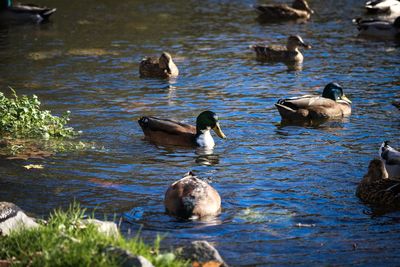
{"points": [[13, 218], [127, 259], [201, 253]]}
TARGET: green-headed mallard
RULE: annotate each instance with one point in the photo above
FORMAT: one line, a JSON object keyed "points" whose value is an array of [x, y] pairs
{"points": [[378, 28], [391, 158], [163, 67], [332, 104], [170, 132], [24, 12], [299, 10], [192, 198], [290, 53], [377, 189]]}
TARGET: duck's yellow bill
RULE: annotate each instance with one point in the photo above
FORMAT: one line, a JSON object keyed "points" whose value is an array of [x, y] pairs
{"points": [[344, 97], [218, 131]]}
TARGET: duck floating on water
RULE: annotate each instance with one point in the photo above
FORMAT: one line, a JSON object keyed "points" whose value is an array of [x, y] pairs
{"points": [[290, 53], [391, 158], [22, 13], [377, 189], [378, 28], [332, 104], [170, 132], [299, 10], [389, 7], [396, 104], [192, 198], [163, 67]]}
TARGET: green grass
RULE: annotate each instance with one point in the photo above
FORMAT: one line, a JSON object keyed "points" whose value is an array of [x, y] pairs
{"points": [[63, 241]]}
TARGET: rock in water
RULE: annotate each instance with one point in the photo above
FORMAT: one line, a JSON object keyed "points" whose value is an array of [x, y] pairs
{"points": [[201, 252]]}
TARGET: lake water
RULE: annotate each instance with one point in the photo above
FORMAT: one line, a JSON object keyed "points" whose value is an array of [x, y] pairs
{"points": [[287, 191]]}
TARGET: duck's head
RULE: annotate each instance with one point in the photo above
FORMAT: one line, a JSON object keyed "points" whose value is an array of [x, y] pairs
{"points": [[208, 120], [302, 5], [335, 92], [376, 171], [295, 41], [164, 60]]}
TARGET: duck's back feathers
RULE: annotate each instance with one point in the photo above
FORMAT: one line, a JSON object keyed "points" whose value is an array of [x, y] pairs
{"points": [[167, 131], [309, 107], [191, 197], [149, 67], [274, 53]]}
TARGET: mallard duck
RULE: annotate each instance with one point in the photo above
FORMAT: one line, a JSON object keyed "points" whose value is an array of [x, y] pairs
{"points": [[377, 28], [332, 104], [391, 157], [377, 189], [290, 53], [396, 104], [24, 12], [383, 7], [299, 10], [192, 198], [170, 132], [164, 67]]}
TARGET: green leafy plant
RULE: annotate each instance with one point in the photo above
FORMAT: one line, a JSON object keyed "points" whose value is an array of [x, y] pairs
{"points": [[22, 117], [65, 241]]}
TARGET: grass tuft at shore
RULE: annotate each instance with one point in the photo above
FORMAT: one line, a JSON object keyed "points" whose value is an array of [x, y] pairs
{"points": [[65, 241]]}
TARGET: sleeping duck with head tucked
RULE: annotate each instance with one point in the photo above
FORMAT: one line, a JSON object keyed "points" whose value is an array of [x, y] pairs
{"points": [[332, 104], [290, 53], [170, 132], [192, 198], [299, 10], [163, 67]]}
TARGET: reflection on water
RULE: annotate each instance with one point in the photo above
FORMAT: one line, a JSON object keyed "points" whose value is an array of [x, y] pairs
{"points": [[287, 190]]}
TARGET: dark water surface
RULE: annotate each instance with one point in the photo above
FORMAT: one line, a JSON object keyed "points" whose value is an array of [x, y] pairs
{"points": [[287, 191]]}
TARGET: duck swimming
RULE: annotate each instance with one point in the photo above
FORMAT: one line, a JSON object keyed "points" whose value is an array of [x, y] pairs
{"points": [[290, 53], [332, 104], [170, 132], [191, 198], [163, 67], [391, 158], [377, 189], [383, 7], [24, 12], [378, 28], [299, 10]]}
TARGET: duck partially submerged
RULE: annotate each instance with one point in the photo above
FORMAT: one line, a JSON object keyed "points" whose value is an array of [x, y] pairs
{"points": [[377, 189], [391, 158], [191, 198], [163, 67], [332, 104], [288, 53], [378, 28], [383, 7], [22, 13], [170, 132], [299, 10]]}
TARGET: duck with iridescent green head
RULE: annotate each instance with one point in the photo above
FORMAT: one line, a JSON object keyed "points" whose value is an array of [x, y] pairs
{"points": [[171, 132], [332, 104]]}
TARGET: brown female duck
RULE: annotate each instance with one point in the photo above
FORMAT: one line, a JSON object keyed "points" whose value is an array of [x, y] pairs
{"points": [[163, 67], [290, 53], [299, 10], [332, 104], [192, 198], [377, 189], [170, 132]]}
